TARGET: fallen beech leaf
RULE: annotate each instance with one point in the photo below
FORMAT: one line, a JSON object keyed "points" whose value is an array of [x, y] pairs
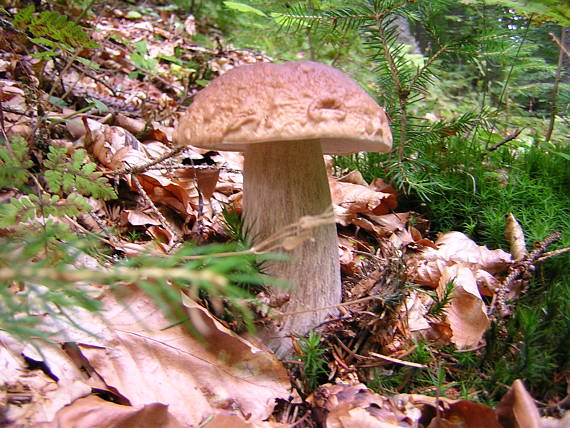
{"points": [[40, 395], [380, 186], [206, 179], [425, 272], [459, 248], [414, 311], [468, 414], [466, 313], [137, 218], [168, 192], [134, 126], [112, 146], [350, 260], [350, 406], [429, 263], [148, 364], [354, 177], [518, 409], [222, 420], [94, 412], [361, 418], [438, 422], [390, 223], [549, 422], [360, 199]]}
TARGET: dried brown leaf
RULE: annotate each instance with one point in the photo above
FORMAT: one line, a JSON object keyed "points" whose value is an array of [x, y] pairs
{"points": [[148, 364], [467, 414], [549, 422], [518, 409], [138, 218], [514, 234], [94, 412], [360, 199], [354, 177], [31, 396], [452, 248], [457, 247], [222, 420], [466, 313], [352, 405]]}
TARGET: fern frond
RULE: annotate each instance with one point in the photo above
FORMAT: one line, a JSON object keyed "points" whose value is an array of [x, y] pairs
{"points": [[14, 163], [75, 176]]}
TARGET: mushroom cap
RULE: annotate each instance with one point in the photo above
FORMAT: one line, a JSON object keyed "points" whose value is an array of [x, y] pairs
{"points": [[302, 100]]}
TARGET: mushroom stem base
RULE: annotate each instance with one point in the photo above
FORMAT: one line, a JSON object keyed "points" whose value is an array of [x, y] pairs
{"points": [[284, 181]]}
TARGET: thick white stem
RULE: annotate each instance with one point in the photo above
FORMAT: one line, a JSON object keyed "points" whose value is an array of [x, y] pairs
{"points": [[284, 181]]}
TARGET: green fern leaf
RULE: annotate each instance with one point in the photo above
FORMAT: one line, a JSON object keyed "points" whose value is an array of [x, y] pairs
{"points": [[14, 164]]}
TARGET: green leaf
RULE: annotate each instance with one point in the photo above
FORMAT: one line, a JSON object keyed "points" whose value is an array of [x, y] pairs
{"points": [[563, 155], [100, 106], [45, 42], [92, 65], [133, 14], [241, 7], [23, 17], [171, 59], [54, 180], [44, 56], [288, 20], [14, 164], [56, 101]]}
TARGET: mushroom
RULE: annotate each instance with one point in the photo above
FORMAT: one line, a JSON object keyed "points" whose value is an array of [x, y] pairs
{"points": [[284, 118]]}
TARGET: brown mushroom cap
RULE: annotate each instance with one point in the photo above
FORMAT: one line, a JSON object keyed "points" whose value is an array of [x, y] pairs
{"points": [[293, 101]]}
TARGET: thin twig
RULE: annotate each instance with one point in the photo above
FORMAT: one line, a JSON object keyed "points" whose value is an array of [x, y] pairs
{"points": [[556, 85], [554, 253], [510, 137], [324, 308], [176, 236], [137, 169], [560, 45], [398, 361]]}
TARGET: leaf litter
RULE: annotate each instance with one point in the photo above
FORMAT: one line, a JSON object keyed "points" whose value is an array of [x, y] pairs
{"points": [[132, 368]]}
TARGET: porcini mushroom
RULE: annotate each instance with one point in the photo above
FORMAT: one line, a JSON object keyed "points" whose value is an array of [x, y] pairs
{"points": [[284, 118]]}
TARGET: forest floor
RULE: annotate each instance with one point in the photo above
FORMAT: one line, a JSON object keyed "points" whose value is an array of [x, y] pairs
{"points": [[116, 91]]}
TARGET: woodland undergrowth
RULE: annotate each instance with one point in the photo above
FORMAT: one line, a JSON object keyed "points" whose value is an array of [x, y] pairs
{"points": [[454, 163]]}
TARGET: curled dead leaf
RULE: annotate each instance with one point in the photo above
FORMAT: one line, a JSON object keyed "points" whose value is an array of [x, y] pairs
{"points": [[147, 363], [466, 313], [356, 406], [466, 414], [357, 198], [428, 264], [514, 234], [517, 408]]}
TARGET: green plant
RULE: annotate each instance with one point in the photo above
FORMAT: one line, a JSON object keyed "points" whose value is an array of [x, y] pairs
{"points": [[141, 59], [530, 346], [69, 180], [314, 364], [41, 272], [55, 34], [437, 310]]}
